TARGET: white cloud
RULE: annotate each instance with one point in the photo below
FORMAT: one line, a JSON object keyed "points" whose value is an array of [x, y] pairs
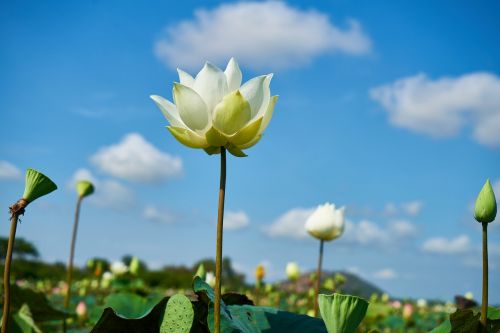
{"points": [[441, 245], [291, 224], [155, 214], [235, 220], [109, 194], [9, 171], [367, 233], [411, 208], [402, 229], [385, 274], [442, 107], [268, 34], [136, 159], [82, 174]]}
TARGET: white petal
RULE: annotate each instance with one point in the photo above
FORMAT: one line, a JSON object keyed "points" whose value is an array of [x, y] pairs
{"points": [[185, 78], [211, 85], [233, 75], [256, 92], [169, 110], [191, 107]]}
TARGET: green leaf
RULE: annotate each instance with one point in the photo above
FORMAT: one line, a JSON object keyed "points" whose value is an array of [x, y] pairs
{"points": [[40, 308], [465, 321], [37, 185], [111, 322], [255, 319], [445, 327], [130, 305], [342, 313], [178, 316]]}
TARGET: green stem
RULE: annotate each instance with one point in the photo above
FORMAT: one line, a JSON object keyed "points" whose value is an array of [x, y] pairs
{"points": [[218, 256], [484, 307], [318, 278], [69, 278], [6, 272]]}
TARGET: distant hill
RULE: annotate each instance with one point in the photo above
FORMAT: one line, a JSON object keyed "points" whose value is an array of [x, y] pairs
{"points": [[354, 285]]}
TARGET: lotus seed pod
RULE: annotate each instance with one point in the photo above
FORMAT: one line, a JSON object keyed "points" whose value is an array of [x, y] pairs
{"points": [[260, 273], [84, 188], [486, 206], [37, 185]]}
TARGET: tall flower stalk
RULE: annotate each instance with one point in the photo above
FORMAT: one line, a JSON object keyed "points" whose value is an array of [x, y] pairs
{"points": [[485, 212], [37, 185], [325, 224], [220, 225], [83, 188], [215, 112]]}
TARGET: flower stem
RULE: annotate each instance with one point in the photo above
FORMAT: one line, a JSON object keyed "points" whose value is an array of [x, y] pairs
{"points": [[318, 278], [70, 260], [484, 307], [15, 211], [218, 256]]}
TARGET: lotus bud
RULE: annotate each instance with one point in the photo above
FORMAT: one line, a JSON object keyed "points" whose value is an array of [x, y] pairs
{"points": [[407, 311], [210, 279], [326, 223], [200, 271], [469, 295], [486, 206], [84, 188], [134, 266], [81, 310], [292, 271], [260, 273]]}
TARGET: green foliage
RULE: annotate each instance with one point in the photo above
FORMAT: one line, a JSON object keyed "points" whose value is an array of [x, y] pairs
{"points": [[342, 313], [23, 321], [254, 319], [37, 185], [130, 305], [468, 320], [22, 248], [36, 304]]}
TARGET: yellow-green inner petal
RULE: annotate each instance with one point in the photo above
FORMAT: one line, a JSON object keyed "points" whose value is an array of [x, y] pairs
{"points": [[246, 134], [232, 114], [215, 138], [188, 137]]}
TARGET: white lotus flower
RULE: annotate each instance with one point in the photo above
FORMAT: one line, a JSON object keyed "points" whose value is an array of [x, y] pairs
{"points": [[292, 271], [213, 109], [118, 268], [210, 279], [326, 223]]}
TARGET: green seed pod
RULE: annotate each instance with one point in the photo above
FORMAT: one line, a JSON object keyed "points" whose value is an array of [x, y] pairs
{"points": [[37, 185], [84, 188], [486, 205]]}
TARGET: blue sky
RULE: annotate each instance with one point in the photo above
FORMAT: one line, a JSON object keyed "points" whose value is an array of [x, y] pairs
{"points": [[391, 109]]}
